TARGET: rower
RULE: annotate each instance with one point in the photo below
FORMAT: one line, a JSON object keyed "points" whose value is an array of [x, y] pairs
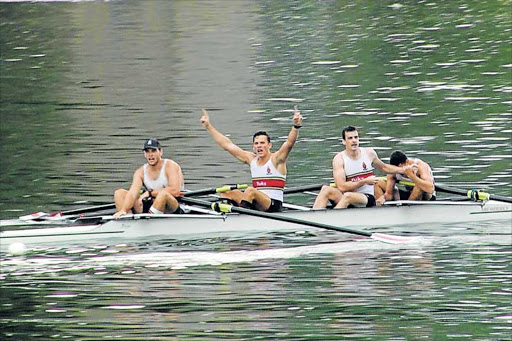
{"points": [[268, 169], [162, 179], [353, 174], [422, 186]]}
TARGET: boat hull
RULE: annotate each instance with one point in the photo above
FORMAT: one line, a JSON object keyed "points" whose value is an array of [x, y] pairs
{"points": [[137, 227]]}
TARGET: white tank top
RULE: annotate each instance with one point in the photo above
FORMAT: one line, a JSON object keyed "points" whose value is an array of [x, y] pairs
{"points": [[268, 179], [400, 177], [359, 169]]}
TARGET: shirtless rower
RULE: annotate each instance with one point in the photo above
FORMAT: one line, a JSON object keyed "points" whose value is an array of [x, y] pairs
{"points": [[353, 174], [162, 179], [268, 169], [422, 178]]}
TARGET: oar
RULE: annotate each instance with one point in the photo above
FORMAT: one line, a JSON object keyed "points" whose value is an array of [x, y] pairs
{"points": [[228, 208], [474, 194], [89, 209], [102, 207], [190, 193], [302, 188], [221, 189], [60, 215]]}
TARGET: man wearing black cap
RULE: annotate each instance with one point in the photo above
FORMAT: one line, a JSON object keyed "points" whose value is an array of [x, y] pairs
{"points": [[162, 179]]}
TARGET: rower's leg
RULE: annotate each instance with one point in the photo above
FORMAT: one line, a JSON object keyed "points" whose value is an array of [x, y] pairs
{"points": [[327, 193], [260, 200], [354, 199], [119, 196], [235, 195], [416, 194], [164, 200], [379, 188]]}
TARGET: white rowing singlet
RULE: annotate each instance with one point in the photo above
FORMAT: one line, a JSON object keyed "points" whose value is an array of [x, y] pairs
{"points": [[268, 179], [157, 183], [359, 169]]}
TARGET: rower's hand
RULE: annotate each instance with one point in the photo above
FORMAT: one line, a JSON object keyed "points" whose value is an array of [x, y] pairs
{"points": [[119, 214], [410, 170], [205, 119], [297, 117], [371, 180]]}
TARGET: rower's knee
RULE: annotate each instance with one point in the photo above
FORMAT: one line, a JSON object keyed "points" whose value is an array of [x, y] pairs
{"points": [[325, 191], [249, 193], [346, 200], [119, 193], [164, 200]]}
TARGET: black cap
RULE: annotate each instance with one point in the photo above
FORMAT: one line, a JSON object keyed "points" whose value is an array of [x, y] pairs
{"points": [[152, 144]]}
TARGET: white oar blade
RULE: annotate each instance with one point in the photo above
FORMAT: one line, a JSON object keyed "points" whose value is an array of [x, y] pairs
{"points": [[393, 239]]}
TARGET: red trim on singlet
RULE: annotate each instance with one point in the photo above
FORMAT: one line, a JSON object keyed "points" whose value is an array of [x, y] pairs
{"points": [[268, 183], [360, 176]]}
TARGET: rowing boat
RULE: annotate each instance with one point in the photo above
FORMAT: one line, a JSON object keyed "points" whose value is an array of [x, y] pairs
{"points": [[203, 222]]}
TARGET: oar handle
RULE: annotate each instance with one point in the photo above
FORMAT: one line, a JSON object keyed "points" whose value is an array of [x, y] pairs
{"points": [[221, 189], [227, 188]]}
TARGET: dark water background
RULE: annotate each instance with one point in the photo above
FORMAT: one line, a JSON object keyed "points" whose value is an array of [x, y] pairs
{"points": [[82, 84]]}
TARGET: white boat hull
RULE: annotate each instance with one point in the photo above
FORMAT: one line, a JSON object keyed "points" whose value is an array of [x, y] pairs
{"points": [[137, 227]]}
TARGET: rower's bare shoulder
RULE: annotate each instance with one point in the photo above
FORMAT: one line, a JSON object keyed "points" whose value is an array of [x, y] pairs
{"points": [[337, 161], [171, 164], [139, 171], [370, 151], [248, 157], [338, 157]]}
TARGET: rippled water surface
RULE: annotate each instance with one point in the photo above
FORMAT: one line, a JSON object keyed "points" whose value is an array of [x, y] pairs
{"points": [[84, 83]]}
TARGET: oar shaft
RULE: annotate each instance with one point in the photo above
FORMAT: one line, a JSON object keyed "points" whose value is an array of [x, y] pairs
{"points": [[89, 209], [451, 190], [280, 217], [302, 188]]}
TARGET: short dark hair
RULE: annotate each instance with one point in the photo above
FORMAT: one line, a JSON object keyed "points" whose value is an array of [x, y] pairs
{"points": [[260, 133], [349, 128], [397, 157]]}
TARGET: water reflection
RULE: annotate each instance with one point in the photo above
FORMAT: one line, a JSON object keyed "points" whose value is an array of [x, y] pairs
{"points": [[323, 290]]}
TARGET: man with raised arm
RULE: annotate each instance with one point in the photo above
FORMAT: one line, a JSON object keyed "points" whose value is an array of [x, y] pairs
{"points": [[162, 179], [422, 178], [268, 169], [353, 174]]}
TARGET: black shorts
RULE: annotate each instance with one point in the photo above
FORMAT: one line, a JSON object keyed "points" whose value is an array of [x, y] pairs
{"points": [[404, 195], [371, 200], [147, 202], [275, 206]]}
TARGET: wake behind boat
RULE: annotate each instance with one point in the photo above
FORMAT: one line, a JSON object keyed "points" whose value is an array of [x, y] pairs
{"points": [[203, 222]]}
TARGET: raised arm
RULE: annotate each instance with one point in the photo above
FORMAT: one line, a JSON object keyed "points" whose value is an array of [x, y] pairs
{"points": [[282, 154], [224, 142]]}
